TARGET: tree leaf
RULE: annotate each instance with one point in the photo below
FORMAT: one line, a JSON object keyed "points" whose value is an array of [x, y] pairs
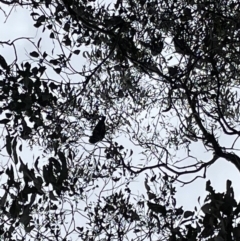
{"points": [[4, 121], [188, 214], [34, 54], [8, 145]]}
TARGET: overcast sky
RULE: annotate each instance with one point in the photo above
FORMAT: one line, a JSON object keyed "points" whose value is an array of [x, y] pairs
{"points": [[19, 24]]}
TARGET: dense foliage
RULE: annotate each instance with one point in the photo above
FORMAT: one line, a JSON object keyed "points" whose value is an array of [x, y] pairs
{"points": [[158, 74]]}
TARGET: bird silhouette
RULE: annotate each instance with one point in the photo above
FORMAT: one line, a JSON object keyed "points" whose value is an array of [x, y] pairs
{"points": [[181, 47], [98, 132]]}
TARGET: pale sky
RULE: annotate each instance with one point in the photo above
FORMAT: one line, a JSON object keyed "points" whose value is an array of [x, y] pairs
{"points": [[19, 24]]}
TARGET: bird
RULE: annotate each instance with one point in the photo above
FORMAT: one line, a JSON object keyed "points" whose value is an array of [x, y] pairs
{"points": [[181, 47], [98, 132]]}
